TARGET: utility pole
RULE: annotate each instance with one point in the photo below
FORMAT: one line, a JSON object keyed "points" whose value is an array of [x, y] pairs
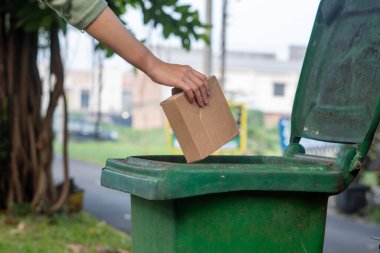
{"points": [[207, 61], [223, 47], [100, 62]]}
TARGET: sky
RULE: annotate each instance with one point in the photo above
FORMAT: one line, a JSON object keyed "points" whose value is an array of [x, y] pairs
{"points": [[253, 26]]}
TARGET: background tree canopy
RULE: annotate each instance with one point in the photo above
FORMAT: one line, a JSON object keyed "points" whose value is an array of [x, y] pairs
{"points": [[26, 135]]}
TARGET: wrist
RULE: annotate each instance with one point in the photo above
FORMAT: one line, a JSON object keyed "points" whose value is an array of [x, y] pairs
{"points": [[152, 66]]}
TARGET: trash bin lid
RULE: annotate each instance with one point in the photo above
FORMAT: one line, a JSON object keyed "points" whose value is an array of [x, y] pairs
{"points": [[337, 98]]}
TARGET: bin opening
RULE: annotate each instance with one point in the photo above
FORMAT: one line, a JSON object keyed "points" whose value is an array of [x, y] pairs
{"points": [[234, 159]]}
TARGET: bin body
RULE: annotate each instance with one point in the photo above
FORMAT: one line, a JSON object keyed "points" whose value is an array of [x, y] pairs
{"points": [[234, 222], [229, 204]]}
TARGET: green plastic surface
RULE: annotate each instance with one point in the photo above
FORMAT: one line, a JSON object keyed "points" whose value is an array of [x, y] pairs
{"points": [[237, 222], [337, 98], [168, 177]]}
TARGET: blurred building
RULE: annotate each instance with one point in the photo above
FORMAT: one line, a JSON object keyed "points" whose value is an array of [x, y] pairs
{"points": [[79, 89], [82, 91], [146, 97], [260, 80], [264, 82]]}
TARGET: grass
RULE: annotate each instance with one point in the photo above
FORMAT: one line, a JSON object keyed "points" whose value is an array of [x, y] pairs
{"points": [[373, 216], [261, 141], [131, 142], [61, 233]]}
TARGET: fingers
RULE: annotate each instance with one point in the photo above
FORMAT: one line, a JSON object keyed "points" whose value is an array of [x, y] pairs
{"points": [[196, 91], [201, 87], [197, 86], [193, 83], [203, 79], [189, 93]]}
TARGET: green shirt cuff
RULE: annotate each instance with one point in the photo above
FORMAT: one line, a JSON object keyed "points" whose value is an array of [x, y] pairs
{"points": [[79, 13]]}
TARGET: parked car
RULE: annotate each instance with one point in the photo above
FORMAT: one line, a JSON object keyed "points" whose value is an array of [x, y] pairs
{"points": [[81, 130]]}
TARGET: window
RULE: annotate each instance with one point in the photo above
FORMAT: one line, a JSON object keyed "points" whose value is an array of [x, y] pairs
{"points": [[84, 99], [127, 101], [278, 89]]}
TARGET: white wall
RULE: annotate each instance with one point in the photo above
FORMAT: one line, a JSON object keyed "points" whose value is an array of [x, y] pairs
{"points": [[112, 90], [255, 89]]}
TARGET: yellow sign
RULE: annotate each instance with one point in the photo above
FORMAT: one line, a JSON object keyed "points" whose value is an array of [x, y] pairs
{"points": [[236, 146]]}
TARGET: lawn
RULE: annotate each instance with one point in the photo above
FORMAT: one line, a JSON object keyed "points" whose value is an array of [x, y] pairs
{"points": [[61, 233], [131, 142], [261, 141]]}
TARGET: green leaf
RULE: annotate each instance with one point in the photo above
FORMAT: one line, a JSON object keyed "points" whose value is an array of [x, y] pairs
{"points": [[147, 17], [166, 32], [205, 38], [183, 9]]}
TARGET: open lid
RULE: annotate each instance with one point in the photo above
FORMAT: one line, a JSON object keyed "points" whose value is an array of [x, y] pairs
{"points": [[337, 98]]}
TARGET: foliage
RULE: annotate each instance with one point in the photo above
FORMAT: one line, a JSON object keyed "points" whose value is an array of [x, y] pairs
{"points": [[261, 140], [60, 233], [27, 175], [171, 17], [32, 16]]}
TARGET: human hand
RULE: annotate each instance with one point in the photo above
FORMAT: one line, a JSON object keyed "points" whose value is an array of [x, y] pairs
{"points": [[108, 29], [193, 83]]}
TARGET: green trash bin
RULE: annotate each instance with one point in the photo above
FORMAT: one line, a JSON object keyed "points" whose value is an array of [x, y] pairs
{"points": [[245, 204]]}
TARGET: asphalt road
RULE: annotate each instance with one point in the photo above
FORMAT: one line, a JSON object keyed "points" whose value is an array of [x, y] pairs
{"points": [[347, 235], [343, 234], [105, 204]]}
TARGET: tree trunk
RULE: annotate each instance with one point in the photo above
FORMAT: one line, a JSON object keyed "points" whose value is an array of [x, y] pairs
{"points": [[27, 175], [4, 134]]}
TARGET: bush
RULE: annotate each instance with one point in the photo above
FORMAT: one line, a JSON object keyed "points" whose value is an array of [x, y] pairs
{"points": [[261, 140]]}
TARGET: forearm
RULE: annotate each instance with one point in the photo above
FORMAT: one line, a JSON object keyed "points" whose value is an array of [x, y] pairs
{"points": [[108, 29]]}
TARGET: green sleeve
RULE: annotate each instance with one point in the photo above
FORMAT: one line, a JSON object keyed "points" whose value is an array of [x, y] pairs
{"points": [[79, 13]]}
